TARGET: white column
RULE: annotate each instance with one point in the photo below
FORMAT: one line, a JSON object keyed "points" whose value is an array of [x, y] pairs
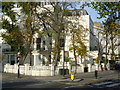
{"points": [[52, 70], [45, 58], [5, 68], [34, 60], [89, 67], [69, 67], [62, 54], [15, 59], [51, 58], [96, 66], [41, 60], [9, 58], [82, 66], [27, 69], [35, 45], [15, 68]]}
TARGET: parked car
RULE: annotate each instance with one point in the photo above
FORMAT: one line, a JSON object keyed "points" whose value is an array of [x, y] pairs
{"points": [[117, 67], [112, 66]]}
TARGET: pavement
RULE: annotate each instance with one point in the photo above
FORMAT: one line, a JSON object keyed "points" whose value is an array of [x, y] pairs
{"points": [[82, 78]]}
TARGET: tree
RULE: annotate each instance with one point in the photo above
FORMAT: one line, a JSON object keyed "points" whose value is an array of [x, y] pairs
{"points": [[78, 43], [54, 21], [20, 34], [30, 24], [13, 36], [105, 9], [112, 29], [110, 11]]}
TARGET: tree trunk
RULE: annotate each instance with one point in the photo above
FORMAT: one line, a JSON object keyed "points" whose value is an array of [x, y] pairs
{"points": [[112, 48], [106, 50], [30, 58], [57, 46], [74, 51], [25, 57], [57, 50]]}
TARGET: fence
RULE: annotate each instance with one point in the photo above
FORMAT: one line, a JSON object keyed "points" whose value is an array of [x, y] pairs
{"points": [[30, 70], [47, 70], [33, 70]]}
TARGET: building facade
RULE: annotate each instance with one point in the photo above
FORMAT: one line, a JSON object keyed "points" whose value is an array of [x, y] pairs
{"points": [[42, 46]]}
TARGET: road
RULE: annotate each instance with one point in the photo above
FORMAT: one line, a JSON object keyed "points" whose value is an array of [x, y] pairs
{"points": [[105, 79], [106, 84]]}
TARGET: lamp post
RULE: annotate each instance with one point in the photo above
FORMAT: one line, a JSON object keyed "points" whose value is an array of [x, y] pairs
{"points": [[18, 76]]}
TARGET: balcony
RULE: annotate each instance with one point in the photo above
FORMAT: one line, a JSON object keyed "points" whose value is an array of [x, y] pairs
{"points": [[93, 48], [41, 49], [8, 50]]}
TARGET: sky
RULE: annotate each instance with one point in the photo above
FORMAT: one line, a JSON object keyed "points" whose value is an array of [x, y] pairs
{"points": [[93, 14], [90, 11]]}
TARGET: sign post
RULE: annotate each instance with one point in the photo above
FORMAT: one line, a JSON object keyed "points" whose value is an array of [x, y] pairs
{"points": [[96, 74], [18, 76]]}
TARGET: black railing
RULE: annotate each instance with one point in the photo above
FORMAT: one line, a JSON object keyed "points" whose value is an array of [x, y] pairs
{"points": [[42, 49], [8, 50]]}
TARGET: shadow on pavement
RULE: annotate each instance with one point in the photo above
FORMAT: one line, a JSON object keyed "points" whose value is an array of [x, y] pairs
{"points": [[17, 84]]}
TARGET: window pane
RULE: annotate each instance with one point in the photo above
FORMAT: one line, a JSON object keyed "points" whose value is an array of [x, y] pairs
{"points": [[38, 40]]}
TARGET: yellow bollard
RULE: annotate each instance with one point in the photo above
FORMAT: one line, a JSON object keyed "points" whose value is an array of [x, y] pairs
{"points": [[72, 76]]}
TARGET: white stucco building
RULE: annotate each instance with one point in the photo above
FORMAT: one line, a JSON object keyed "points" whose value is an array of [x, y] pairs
{"points": [[42, 46], [98, 31]]}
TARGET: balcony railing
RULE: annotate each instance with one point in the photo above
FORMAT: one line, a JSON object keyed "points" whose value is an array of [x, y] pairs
{"points": [[41, 49], [8, 50]]}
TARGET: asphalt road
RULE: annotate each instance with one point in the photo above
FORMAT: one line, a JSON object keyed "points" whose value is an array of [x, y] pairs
{"points": [[83, 80]]}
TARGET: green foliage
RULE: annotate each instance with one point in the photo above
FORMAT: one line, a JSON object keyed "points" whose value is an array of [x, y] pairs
{"points": [[78, 41], [110, 11], [112, 31], [54, 24], [68, 59], [105, 9], [14, 38], [20, 39], [7, 10], [104, 61]]}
